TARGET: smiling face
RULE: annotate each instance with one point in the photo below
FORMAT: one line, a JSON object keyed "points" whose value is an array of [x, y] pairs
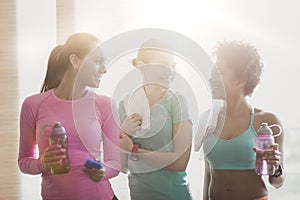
{"points": [[157, 66], [92, 69], [224, 80], [239, 64]]}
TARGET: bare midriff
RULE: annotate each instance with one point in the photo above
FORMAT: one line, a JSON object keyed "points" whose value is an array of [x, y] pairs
{"points": [[236, 184]]}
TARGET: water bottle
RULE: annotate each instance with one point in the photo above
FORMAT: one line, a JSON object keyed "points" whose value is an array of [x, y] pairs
{"points": [[263, 140], [58, 136]]}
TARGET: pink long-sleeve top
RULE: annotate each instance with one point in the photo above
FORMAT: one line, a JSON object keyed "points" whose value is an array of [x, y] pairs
{"points": [[89, 122]]}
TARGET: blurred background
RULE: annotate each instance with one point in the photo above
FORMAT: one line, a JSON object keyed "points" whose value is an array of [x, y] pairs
{"points": [[31, 28]]}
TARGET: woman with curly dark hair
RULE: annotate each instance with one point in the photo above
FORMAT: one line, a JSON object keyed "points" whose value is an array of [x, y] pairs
{"points": [[229, 149]]}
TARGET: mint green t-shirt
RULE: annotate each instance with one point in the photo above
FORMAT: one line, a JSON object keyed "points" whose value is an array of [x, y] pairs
{"points": [[145, 181]]}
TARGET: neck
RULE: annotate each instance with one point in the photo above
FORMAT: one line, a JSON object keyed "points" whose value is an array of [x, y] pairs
{"points": [[154, 92], [69, 89], [236, 104]]}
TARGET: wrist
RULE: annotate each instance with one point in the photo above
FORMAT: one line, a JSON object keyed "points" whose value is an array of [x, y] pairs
{"points": [[43, 165], [122, 130], [278, 172], [134, 151]]}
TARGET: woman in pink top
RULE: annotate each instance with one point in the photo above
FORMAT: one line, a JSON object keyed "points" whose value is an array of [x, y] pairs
{"points": [[89, 119]]}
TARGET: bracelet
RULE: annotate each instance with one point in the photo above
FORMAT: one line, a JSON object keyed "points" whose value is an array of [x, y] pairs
{"points": [[134, 150], [278, 172]]}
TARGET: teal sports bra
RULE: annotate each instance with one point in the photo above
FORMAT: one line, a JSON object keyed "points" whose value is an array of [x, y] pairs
{"points": [[232, 154]]}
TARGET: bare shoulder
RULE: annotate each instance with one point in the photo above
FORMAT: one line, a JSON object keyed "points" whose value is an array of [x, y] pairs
{"points": [[266, 116], [261, 116]]}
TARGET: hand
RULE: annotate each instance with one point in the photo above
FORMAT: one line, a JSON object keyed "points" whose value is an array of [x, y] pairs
{"points": [[94, 174], [272, 156], [132, 124], [53, 156], [126, 143]]}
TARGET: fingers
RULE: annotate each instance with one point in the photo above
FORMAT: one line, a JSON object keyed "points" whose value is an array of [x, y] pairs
{"points": [[272, 151], [274, 146], [94, 174], [136, 118], [54, 150], [136, 128], [273, 160], [273, 156], [257, 150], [53, 162], [53, 156], [132, 124]]}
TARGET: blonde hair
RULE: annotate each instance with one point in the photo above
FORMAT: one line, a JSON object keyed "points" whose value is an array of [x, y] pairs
{"points": [[150, 45]]}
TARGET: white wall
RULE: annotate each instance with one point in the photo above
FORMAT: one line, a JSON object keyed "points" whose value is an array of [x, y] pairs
{"points": [[270, 25], [36, 38]]}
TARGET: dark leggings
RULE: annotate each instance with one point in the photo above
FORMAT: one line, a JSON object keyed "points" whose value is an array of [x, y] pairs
{"points": [[114, 198]]}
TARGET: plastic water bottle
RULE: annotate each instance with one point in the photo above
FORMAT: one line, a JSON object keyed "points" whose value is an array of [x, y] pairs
{"points": [[263, 141], [58, 136]]}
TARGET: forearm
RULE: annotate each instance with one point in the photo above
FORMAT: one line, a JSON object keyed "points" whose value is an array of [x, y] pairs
{"points": [[163, 160], [29, 165], [176, 160], [27, 161], [112, 164], [206, 181], [278, 159], [111, 145], [112, 169], [205, 192], [124, 162]]}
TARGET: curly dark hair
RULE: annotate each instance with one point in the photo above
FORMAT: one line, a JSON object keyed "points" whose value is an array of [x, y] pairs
{"points": [[244, 59]]}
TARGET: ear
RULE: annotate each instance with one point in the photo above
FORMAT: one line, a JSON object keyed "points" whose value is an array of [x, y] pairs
{"points": [[75, 61], [136, 63]]}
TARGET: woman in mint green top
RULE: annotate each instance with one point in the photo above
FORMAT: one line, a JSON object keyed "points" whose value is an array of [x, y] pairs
{"points": [[164, 151], [229, 149]]}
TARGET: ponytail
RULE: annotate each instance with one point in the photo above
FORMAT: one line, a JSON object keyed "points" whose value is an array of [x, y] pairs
{"points": [[54, 74], [80, 44]]}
